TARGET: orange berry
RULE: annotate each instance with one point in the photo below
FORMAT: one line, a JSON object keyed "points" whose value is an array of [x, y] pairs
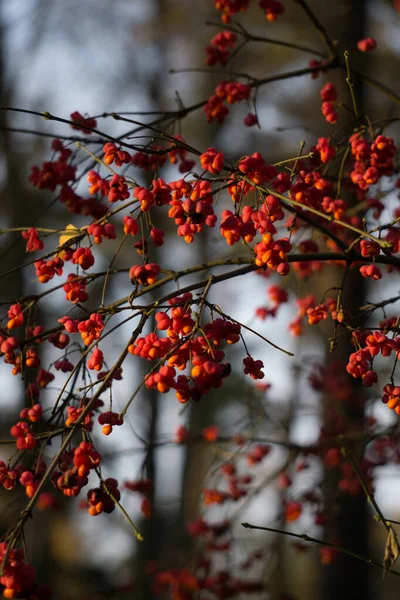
{"points": [[107, 429]]}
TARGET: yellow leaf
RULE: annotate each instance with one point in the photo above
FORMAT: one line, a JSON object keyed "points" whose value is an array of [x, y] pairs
{"points": [[392, 550], [68, 236]]}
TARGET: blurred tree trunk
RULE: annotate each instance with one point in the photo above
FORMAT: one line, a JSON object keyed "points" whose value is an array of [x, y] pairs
{"points": [[347, 578], [12, 252], [154, 530], [16, 204]]}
